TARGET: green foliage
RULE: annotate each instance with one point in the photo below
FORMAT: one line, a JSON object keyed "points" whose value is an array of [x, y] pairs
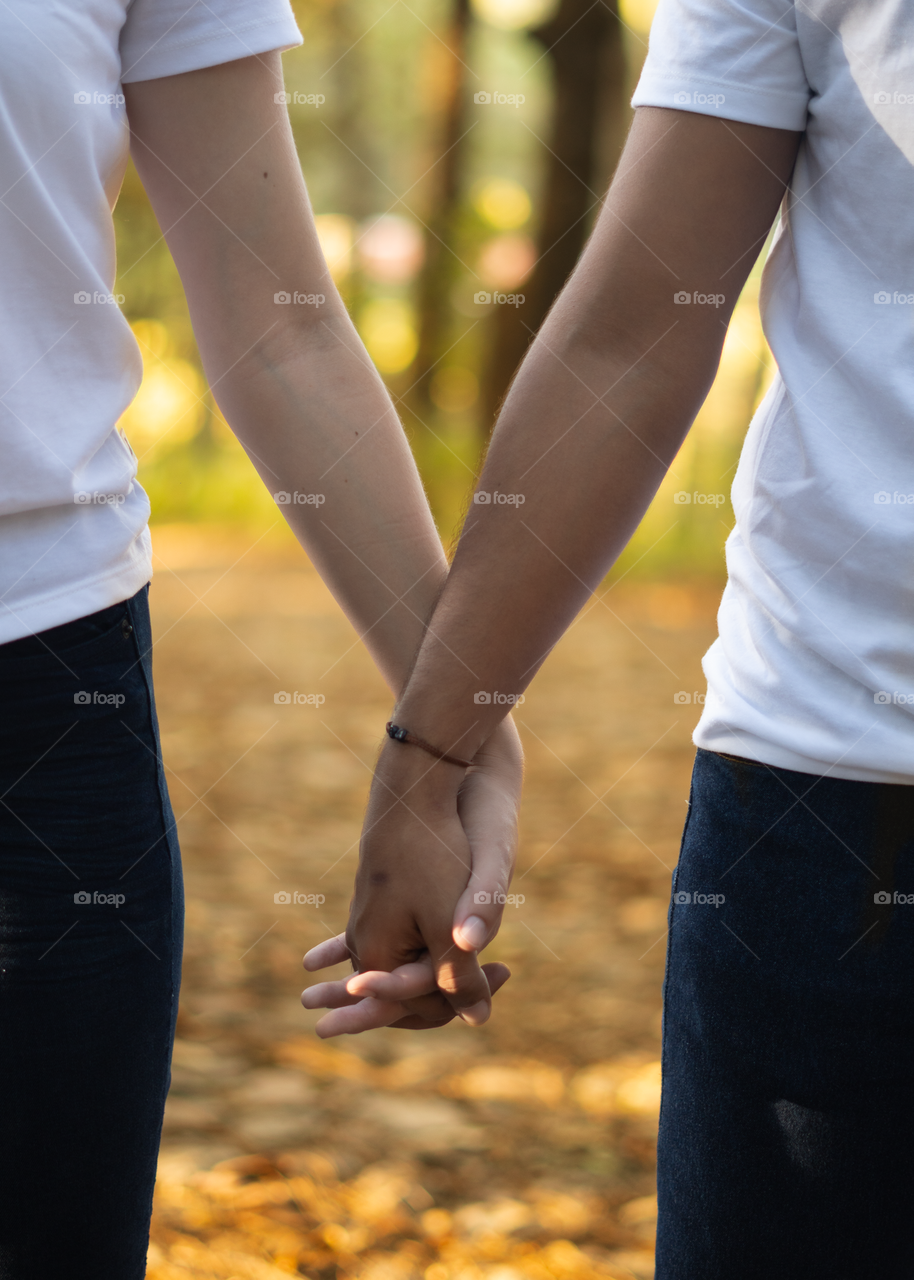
{"points": [[369, 150]]}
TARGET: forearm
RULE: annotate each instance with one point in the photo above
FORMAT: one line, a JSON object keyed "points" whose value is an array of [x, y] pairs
{"points": [[318, 424], [598, 410], [582, 471], [293, 379]]}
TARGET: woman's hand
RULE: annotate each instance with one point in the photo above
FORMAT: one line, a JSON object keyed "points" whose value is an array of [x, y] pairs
{"points": [[367, 1000]]}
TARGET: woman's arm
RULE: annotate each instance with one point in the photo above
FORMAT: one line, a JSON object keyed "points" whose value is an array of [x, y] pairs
{"points": [[215, 152], [216, 155]]}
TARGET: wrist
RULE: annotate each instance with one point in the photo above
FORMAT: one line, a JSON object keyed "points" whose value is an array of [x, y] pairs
{"points": [[408, 772], [456, 726]]}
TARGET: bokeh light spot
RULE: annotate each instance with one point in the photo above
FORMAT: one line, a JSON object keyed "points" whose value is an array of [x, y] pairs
{"points": [[503, 203], [167, 409], [506, 261], [390, 248], [512, 15], [388, 330], [336, 232]]}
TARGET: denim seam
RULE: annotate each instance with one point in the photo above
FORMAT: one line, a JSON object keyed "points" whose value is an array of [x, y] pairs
{"points": [[169, 829], [669, 938]]}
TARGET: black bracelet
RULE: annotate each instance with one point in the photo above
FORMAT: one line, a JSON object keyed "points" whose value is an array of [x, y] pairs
{"points": [[403, 735]]}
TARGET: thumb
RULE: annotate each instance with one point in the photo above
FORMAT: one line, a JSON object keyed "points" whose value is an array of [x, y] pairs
{"points": [[463, 983], [477, 918]]}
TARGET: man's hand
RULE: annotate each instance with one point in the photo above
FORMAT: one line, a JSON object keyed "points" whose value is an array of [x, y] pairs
{"points": [[437, 856]]}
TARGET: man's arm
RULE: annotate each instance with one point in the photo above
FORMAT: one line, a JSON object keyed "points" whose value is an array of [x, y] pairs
{"points": [[215, 152], [593, 420]]}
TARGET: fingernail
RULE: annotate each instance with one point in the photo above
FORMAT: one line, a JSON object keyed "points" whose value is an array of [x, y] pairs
{"points": [[474, 931], [476, 1015]]}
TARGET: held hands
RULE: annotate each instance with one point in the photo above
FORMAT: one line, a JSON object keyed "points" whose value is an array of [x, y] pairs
{"points": [[437, 852]]}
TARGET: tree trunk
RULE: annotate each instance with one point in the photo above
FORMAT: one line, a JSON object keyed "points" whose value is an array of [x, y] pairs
{"points": [[584, 42], [442, 268]]}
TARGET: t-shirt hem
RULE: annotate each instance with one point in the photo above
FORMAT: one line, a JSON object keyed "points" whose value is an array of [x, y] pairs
{"points": [[73, 601], [209, 50], [773, 108], [765, 752]]}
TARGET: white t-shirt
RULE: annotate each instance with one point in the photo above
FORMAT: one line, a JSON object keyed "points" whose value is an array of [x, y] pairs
{"points": [[814, 666], [73, 536]]}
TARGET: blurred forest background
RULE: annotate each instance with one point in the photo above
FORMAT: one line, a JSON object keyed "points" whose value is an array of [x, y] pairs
{"points": [[455, 152], [452, 149]]}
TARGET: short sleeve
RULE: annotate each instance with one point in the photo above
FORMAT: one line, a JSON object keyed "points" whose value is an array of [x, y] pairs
{"points": [[739, 59], [167, 37]]}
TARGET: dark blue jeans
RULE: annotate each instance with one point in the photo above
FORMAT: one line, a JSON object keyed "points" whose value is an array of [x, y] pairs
{"points": [[787, 1124], [90, 945]]}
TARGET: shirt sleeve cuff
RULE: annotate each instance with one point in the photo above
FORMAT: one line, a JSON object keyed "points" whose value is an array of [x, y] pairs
{"points": [[774, 108], [209, 50]]}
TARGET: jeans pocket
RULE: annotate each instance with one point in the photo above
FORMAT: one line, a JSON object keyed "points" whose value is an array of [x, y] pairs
{"points": [[78, 641]]}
